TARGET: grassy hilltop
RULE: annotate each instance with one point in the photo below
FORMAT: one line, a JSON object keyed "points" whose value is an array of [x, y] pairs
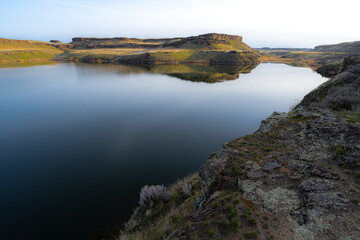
{"points": [[208, 48]]}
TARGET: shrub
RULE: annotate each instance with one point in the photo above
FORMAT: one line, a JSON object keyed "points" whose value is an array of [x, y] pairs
{"points": [[211, 232], [251, 221], [233, 224], [230, 211], [149, 195], [340, 150], [186, 188], [252, 234]]}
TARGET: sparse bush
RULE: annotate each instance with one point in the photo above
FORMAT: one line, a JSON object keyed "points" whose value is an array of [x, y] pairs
{"points": [[149, 195], [251, 235], [340, 150], [211, 232], [233, 223], [187, 188], [251, 221], [230, 211]]}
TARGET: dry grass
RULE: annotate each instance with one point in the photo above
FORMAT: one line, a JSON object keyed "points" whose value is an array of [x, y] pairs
{"points": [[275, 59], [106, 51], [164, 219], [19, 51]]}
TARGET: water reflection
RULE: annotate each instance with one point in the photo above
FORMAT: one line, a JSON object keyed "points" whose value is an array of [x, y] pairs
{"points": [[26, 64], [190, 72]]}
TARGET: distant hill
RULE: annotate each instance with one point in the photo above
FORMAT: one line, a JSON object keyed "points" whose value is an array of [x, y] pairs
{"points": [[284, 49], [212, 48], [211, 41], [348, 47]]}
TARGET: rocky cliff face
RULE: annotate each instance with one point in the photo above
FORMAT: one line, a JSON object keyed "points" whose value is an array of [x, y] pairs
{"points": [[205, 40], [297, 177]]}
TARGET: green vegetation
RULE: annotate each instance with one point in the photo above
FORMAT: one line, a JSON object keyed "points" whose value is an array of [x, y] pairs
{"points": [[18, 54], [211, 232], [251, 235], [351, 117], [339, 150], [233, 224], [19, 51], [251, 221]]}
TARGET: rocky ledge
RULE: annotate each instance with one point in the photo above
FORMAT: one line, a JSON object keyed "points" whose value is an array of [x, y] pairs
{"points": [[297, 177]]}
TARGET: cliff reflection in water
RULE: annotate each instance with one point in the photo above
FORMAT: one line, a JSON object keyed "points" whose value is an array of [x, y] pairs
{"points": [[189, 72]]}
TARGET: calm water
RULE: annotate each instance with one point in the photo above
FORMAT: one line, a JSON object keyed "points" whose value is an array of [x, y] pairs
{"points": [[77, 142]]}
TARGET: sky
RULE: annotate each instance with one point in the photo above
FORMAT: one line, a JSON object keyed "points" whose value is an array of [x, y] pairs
{"points": [[262, 23]]}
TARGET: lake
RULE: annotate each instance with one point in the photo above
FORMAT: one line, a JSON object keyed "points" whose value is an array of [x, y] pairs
{"points": [[78, 141]]}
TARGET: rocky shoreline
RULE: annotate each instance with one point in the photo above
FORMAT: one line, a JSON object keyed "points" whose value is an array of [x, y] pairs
{"points": [[297, 177]]}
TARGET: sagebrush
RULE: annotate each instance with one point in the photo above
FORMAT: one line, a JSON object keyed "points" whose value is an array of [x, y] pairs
{"points": [[150, 195]]}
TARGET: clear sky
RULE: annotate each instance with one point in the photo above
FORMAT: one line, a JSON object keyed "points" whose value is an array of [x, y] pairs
{"points": [[262, 23]]}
